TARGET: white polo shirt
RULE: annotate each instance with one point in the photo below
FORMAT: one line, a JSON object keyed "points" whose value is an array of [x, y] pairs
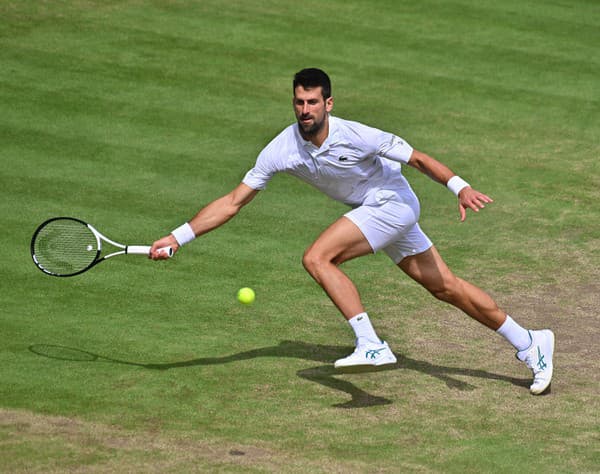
{"points": [[353, 163]]}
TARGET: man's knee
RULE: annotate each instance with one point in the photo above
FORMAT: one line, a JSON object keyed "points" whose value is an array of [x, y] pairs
{"points": [[314, 260], [311, 260], [447, 289]]}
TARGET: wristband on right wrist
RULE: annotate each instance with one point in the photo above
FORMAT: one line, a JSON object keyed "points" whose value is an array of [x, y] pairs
{"points": [[456, 184], [184, 234]]}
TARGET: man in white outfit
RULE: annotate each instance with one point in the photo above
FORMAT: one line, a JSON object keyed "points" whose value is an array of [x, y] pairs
{"points": [[361, 167]]}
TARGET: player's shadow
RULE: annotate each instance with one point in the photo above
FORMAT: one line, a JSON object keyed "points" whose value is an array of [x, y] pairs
{"points": [[322, 374]]}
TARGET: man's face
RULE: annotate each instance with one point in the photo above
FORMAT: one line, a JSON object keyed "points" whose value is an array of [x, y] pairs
{"points": [[311, 110]]}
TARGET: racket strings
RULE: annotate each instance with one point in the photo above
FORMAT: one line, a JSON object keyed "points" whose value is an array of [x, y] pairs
{"points": [[65, 246]]}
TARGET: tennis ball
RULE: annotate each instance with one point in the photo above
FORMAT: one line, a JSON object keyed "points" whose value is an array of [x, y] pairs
{"points": [[246, 295]]}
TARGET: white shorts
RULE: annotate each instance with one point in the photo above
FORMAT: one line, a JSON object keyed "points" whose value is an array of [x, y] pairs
{"points": [[391, 225]]}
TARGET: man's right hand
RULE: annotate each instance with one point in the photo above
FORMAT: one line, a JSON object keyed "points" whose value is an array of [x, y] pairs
{"points": [[168, 241]]}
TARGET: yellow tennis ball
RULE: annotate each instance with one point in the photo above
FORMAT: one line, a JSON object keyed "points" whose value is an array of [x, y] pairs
{"points": [[246, 295]]}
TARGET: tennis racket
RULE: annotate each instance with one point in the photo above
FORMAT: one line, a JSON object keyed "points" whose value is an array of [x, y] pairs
{"points": [[66, 246]]}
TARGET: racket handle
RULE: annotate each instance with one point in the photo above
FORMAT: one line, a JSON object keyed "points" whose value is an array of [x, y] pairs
{"points": [[145, 250]]}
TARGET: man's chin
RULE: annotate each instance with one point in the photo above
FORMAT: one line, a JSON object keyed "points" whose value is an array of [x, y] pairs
{"points": [[308, 129]]}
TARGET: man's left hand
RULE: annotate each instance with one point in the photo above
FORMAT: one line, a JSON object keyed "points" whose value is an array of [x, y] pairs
{"points": [[472, 199]]}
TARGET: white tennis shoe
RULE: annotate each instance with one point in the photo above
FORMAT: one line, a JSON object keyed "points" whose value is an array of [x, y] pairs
{"points": [[538, 358], [368, 354]]}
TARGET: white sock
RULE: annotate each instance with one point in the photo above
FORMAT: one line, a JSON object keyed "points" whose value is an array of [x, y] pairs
{"points": [[363, 329], [515, 334]]}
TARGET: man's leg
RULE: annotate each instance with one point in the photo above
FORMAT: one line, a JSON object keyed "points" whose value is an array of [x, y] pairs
{"points": [[431, 272], [340, 242], [535, 348]]}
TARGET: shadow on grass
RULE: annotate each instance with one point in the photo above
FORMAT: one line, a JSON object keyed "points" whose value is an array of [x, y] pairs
{"points": [[321, 374]]}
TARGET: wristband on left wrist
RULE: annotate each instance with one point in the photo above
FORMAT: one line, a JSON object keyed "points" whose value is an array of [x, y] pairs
{"points": [[456, 184]]}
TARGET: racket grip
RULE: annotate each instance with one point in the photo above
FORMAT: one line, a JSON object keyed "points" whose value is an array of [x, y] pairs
{"points": [[145, 250]]}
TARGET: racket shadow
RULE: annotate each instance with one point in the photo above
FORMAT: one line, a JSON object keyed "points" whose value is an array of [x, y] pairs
{"points": [[324, 374], [52, 351], [289, 349]]}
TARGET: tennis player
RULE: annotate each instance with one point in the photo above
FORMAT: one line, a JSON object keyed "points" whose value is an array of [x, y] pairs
{"points": [[361, 166]]}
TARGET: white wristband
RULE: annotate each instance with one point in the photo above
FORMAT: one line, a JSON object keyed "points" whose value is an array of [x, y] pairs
{"points": [[184, 234], [456, 184]]}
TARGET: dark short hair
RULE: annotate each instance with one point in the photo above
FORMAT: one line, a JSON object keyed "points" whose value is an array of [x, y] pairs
{"points": [[312, 77]]}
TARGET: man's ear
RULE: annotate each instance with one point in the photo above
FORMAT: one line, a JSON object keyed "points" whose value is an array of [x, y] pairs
{"points": [[329, 104]]}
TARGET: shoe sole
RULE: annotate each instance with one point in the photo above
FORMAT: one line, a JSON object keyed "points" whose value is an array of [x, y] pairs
{"points": [[386, 361], [544, 388]]}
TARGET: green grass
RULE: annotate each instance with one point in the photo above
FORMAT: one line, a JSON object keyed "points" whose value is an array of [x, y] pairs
{"points": [[133, 114]]}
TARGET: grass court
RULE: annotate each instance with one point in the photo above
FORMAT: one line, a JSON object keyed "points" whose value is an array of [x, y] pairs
{"points": [[133, 114]]}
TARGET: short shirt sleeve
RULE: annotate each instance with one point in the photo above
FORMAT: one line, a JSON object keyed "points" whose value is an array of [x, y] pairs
{"points": [[384, 144], [268, 162], [395, 148], [258, 177]]}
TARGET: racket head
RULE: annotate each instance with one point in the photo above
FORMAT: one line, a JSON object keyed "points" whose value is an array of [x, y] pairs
{"points": [[65, 246]]}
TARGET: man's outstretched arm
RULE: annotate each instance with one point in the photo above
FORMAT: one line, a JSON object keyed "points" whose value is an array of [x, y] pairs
{"points": [[211, 216], [467, 196]]}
